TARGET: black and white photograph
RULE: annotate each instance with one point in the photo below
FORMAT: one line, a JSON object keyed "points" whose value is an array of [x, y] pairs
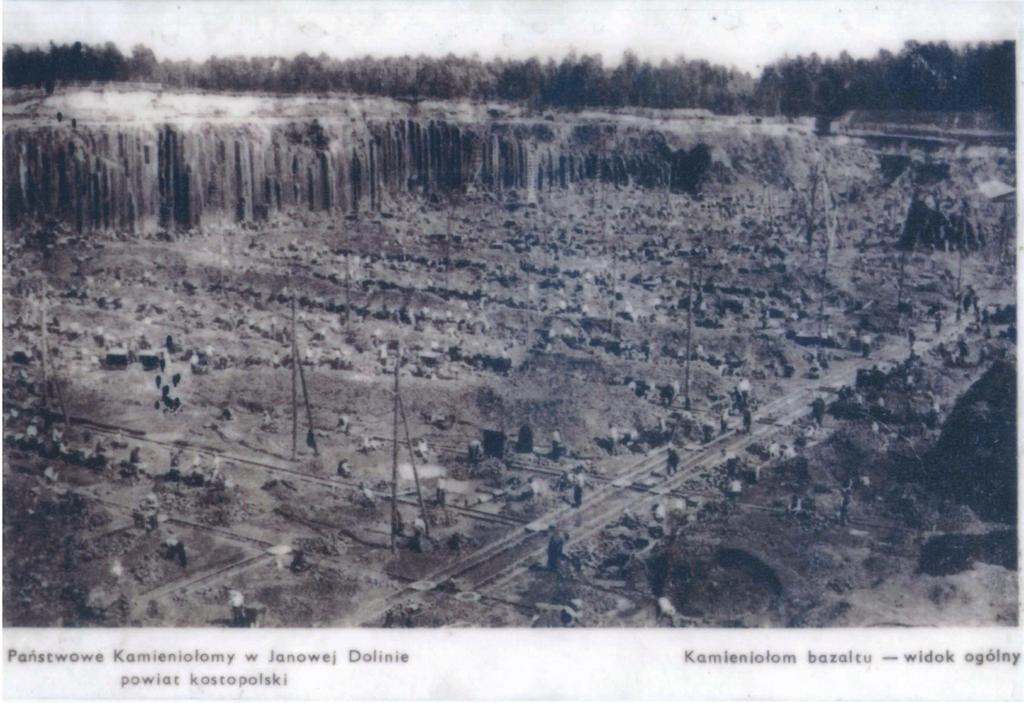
{"points": [[509, 315]]}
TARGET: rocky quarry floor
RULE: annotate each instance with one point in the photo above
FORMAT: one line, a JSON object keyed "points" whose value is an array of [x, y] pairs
{"points": [[150, 397]]}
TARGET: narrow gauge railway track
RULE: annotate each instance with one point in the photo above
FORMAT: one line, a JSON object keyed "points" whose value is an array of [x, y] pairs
{"points": [[130, 434]]}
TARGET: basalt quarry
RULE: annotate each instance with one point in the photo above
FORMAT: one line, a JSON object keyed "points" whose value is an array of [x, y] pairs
{"points": [[118, 175], [332, 360]]}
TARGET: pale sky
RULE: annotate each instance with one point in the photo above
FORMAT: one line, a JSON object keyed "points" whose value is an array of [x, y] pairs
{"points": [[741, 34]]}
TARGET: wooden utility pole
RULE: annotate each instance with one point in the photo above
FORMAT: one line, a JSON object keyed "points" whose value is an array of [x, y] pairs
{"points": [[826, 195], [689, 334], [448, 245], [604, 235], [309, 409], [348, 275], [412, 461], [295, 384], [899, 284], [46, 353], [810, 213], [348, 291], [960, 259], [394, 455]]}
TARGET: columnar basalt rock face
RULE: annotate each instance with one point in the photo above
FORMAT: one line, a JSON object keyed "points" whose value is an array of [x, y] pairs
{"points": [[123, 177]]}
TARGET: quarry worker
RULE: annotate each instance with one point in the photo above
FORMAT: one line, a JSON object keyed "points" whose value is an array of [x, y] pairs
{"points": [[149, 510], [747, 420], [344, 468], [419, 529], [962, 351], [367, 495], [175, 551], [441, 495], [299, 563], [421, 448], [844, 507], [743, 390], [475, 451], [723, 422], [666, 611], [672, 462], [557, 448], [344, 424], [578, 483], [556, 544], [366, 444], [818, 411], [237, 603]]}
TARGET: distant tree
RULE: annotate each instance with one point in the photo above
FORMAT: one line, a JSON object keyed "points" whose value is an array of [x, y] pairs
{"points": [[143, 66], [921, 76]]}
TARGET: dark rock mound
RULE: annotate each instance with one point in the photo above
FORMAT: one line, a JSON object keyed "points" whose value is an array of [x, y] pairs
{"points": [[951, 554], [975, 459]]}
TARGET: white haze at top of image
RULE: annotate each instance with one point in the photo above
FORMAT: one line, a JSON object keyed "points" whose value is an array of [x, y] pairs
{"points": [[746, 35]]}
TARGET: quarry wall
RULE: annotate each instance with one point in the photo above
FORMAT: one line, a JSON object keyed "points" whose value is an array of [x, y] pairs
{"points": [[141, 177], [140, 161]]}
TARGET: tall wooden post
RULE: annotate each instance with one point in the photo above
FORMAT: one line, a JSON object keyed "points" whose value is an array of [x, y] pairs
{"points": [[689, 334], [448, 245], [394, 454], [295, 384], [960, 259], [46, 354], [309, 409], [348, 291], [826, 195], [412, 461], [899, 284], [348, 275]]}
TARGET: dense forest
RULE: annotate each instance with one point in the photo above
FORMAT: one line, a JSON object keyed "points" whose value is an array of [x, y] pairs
{"points": [[929, 76]]}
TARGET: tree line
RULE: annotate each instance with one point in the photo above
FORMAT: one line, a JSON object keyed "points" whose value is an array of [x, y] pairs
{"points": [[921, 76]]}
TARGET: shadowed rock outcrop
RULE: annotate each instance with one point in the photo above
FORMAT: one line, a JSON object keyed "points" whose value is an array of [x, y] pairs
{"points": [[975, 460]]}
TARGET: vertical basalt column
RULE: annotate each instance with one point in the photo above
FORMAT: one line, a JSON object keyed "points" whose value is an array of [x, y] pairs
{"points": [[238, 189], [371, 170], [325, 180], [253, 194], [496, 163], [356, 179]]}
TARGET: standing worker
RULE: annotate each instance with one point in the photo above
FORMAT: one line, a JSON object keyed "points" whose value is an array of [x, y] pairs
{"points": [[673, 461], [556, 543], [818, 411], [578, 482], [844, 508]]}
